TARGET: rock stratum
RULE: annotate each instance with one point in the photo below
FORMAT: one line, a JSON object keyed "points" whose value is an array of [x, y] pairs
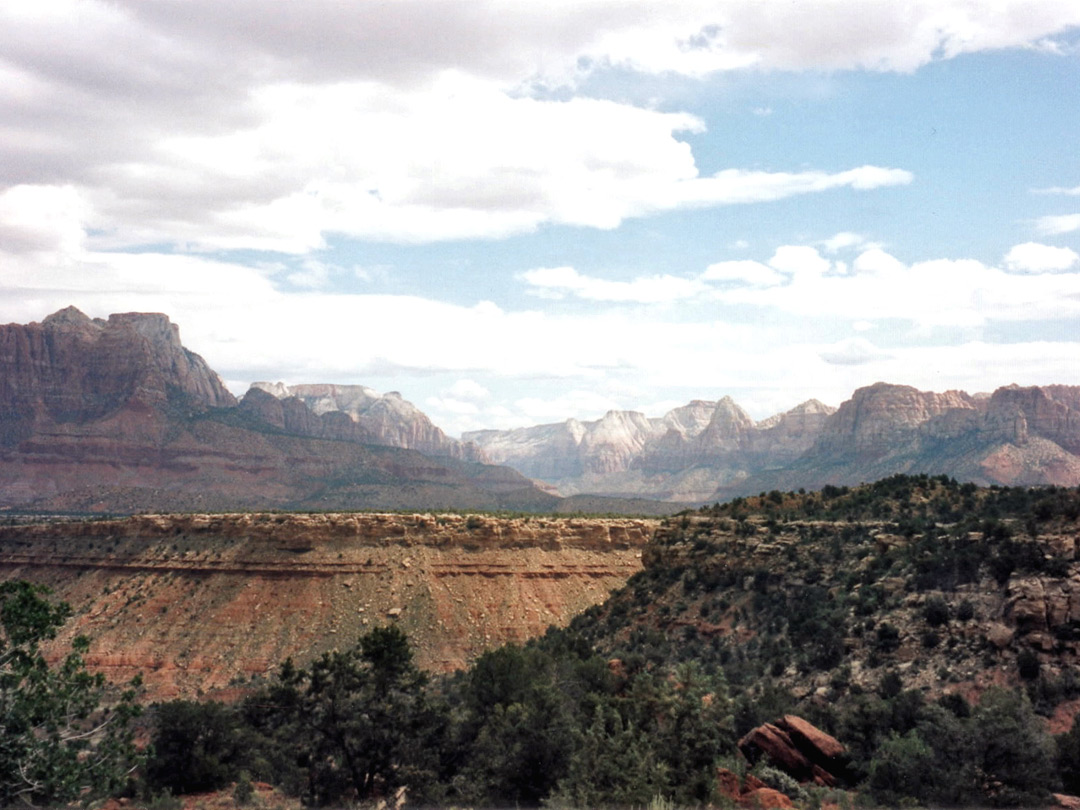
{"points": [[201, 604]]}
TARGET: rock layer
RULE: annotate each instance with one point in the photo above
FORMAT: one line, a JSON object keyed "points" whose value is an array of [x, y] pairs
{"points": [[203, 603]]}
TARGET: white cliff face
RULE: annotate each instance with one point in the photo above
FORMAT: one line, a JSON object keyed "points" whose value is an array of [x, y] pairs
{"points": [[689, 420], [386, 419], [684, 455]]}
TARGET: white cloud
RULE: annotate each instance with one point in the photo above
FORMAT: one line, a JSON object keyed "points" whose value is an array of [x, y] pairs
{"points": [[845, 240], [876, 261], [1032, 257], [751, 273], [700, 37], [411, 121], [800, 261], [469, 390], [853, 352], [42, 219], [1055, 225], [647, 290], [540, 410], [1074, 191], [931, 294]]}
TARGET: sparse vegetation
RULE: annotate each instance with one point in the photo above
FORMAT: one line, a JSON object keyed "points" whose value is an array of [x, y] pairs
{"points": [[871, 611]]}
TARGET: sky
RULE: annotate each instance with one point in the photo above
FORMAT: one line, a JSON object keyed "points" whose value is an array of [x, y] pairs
{"points": [[514, 213]]}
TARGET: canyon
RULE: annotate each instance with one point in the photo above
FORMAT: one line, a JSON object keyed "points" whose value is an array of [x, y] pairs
{"points": [[203, 604]]}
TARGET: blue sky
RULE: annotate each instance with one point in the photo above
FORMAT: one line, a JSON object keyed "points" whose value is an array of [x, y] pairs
{"points": [[516, 213]]}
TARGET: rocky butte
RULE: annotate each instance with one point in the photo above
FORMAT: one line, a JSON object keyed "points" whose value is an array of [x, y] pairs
{"points": [[201, 604]]}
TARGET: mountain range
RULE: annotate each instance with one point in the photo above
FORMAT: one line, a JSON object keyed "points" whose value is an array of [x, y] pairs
{"points": [[117, 415], [708, 451]]}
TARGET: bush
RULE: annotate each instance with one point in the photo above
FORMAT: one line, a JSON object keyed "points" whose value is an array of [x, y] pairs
{"points": [[900, 768], [196, 747], [936, 611], [965, 612], [244, 791], [1027, 663], [888, 638]]}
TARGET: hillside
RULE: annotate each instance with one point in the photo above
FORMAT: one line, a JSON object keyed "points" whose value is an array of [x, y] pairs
{"points": [[914, 640], [202, 603], [937, 586]]}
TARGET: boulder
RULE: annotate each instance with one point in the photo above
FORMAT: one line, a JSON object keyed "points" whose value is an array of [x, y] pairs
{"points": [[806, 736], [799, 748], [770, 741], [751, 793]]}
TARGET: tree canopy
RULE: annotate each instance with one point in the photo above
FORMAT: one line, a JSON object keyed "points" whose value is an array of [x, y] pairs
{"points": [[59, 738]]}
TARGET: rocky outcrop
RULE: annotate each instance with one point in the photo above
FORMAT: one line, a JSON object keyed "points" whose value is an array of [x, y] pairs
{"points": [[203, 603], [374, 418], [71, 369], [879, 416], [749, 792], [798, 748]]}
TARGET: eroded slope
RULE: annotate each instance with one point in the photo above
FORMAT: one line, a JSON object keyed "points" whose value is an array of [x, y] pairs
{"points": [[201, 603]]}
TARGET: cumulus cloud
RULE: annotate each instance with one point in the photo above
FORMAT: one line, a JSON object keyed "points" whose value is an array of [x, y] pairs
{"points": [[219, 126], [800, 261], [1032, 257], [935, 293]]}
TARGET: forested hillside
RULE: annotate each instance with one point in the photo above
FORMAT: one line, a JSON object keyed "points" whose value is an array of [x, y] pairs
{"points": [[931, 628]]}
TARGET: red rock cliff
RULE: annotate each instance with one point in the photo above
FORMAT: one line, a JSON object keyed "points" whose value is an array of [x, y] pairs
{"points": [[201, 603]]}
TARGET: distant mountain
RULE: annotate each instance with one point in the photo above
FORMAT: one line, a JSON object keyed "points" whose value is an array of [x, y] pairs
{"points": [[374, 418], [1015, 436], [116, 415], [707, 451], [685, 455]]}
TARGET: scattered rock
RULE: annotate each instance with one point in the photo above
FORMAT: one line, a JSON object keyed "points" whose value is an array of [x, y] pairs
{"points": [[752, 793], [798, 748]]}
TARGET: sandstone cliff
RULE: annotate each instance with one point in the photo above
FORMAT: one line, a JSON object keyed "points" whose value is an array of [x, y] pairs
{"points": [[70, 369], [683, 456], [1017, 435], [374, 418], [117, 416], [201, 603]]}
